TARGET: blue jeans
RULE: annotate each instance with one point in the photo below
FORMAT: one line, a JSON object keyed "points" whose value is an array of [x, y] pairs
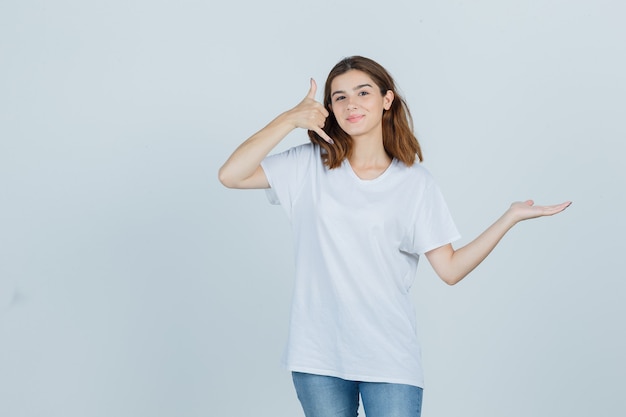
{"points": [[327, 396]]}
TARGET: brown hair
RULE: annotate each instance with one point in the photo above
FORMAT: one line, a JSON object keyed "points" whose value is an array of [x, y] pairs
{"points": [[398, 137]]}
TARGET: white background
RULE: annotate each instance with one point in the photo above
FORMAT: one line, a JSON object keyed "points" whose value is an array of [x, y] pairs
{"points": [[133, 284]]}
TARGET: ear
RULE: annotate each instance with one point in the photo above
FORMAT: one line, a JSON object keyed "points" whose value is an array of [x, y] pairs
{"points": [[388, 99]]}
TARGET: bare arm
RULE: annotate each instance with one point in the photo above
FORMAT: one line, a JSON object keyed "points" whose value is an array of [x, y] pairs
{"points": [[243, 168], [453, 265]]}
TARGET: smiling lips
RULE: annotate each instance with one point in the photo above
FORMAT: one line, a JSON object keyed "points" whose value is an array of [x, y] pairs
{"points": [[355, 118]]}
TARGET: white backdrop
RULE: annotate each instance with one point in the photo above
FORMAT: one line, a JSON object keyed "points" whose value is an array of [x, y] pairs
{"points": [[133, 284]]}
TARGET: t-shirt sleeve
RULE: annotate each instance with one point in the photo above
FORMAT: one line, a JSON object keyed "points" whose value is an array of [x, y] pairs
{"points": [[285, 173], [432, 225]]}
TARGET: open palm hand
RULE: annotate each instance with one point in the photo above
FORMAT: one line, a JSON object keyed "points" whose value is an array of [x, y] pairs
{"points": [[524, 210]]}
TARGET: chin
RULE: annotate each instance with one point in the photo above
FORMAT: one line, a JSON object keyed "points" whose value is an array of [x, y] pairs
{"points": [[355, 134], [352, 131]]}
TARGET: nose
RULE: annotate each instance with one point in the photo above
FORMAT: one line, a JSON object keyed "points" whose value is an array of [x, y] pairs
{"points": [[351, 105]]}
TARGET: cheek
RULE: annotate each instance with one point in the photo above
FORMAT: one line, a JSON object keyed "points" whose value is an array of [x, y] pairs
{"points": [[371, 101]]}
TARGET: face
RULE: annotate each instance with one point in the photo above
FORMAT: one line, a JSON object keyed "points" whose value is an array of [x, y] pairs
{"points": [[358, 105]]}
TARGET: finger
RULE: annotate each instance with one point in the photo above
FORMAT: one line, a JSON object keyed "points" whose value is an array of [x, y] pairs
{"points": [[312, 90], [560, 207], [324, 111], [323, 135], [550, 210]]}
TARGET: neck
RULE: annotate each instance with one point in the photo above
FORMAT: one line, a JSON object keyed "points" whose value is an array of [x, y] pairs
{"points": [[369, 159], [369, 152]]}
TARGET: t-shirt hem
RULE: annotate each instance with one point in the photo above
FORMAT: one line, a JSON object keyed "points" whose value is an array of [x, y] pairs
{"points": [[355, 377]]}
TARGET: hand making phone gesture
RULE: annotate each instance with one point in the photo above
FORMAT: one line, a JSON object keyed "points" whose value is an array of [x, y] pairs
{"points": [[243, 168], [310, 114]]}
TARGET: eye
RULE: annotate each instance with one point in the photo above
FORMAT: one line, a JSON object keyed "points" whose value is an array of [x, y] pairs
{"points": [[363, 93], [339, 98]]}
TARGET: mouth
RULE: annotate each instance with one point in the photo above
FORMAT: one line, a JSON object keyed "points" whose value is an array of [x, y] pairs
{"points": [[355, 118]]}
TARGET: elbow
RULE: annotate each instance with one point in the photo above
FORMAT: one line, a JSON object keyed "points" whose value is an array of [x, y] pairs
{"points": [[451, 279], [226, 180]]}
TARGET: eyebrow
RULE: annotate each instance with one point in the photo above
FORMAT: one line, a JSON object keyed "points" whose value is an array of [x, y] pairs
{"points": [[358, 87]]}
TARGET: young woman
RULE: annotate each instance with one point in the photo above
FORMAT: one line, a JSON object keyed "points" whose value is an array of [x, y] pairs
{"points": [[362, 211]]}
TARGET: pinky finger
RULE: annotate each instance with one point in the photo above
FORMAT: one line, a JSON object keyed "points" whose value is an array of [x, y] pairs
{"points": [[323, 135]]}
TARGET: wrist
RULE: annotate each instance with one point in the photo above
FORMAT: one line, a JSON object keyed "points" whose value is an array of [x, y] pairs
{"points": [[286, 119], [509, 218]]}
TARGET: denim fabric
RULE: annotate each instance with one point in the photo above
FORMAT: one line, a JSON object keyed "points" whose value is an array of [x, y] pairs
{"points": [[327, 396]]}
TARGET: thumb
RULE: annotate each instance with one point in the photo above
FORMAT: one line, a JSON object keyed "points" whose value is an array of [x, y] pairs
{"points": [[312, 90]]}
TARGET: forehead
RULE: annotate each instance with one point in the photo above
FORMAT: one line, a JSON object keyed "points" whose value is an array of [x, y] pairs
{"points": [[351, 79]]}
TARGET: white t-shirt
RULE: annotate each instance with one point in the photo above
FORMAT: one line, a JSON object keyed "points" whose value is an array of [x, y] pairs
{"points": [[357, 245]]}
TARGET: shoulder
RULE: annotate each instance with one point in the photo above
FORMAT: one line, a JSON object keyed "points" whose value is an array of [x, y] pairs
{"points": [[295, 162], [306, 150], [416, 173]]}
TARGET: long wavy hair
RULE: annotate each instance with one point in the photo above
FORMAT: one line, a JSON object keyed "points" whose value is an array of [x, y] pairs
{"points": [[399, 140]]}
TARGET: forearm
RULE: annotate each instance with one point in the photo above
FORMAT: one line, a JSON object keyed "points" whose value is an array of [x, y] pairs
{"points": [[465, 259], [243, 168], [245, 160], [453, 265]]}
